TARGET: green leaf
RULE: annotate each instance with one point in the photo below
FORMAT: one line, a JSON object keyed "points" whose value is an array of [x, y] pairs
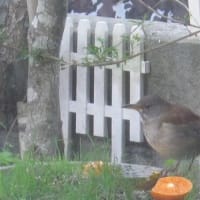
{"points": [[3, 125], [169, 162]]}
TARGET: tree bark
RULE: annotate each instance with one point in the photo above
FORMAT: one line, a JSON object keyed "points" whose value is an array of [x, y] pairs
{"points": [[31, 6], [43, 128], [13, 68]]}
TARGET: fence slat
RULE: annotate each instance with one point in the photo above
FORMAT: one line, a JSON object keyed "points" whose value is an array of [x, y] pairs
{"points": [[101, 36], [84, 30], [80, 104], [119, 31], [64, 86], [194, 8], [136, 79]]}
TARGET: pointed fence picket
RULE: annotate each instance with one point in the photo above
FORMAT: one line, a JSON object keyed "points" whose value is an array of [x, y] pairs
{"points": [[83, 39], [101, 31], [117, 137], [64, 86], [100, 92], [194, 9]]}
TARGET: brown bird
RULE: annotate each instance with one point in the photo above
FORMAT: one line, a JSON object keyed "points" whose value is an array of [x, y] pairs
{"points": [[171, 130]]}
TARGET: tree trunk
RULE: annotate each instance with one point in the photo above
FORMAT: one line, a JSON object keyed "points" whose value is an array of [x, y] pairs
{"points": [[13, 67], [43, 128]]}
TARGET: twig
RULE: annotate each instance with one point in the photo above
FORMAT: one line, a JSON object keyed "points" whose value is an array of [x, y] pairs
{"points": [[165, 17], [135, 55], [153, 10], [186, 8], [9, 131], [182, 4]]}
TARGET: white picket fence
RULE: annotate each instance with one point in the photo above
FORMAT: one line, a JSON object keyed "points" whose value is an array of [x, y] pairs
{"points": [[80, 95], [194, 8]]}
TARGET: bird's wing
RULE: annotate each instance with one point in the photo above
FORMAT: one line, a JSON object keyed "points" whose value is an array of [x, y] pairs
{"points": [[178, 115], [180, 140], [181, 121], [179, 133], [183, 130]]}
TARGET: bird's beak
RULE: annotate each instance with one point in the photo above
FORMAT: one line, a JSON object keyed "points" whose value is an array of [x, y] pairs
{"points": [[136, 106]]}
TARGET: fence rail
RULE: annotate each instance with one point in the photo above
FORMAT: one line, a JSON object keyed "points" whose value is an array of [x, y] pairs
{"points": [[100, 92]]}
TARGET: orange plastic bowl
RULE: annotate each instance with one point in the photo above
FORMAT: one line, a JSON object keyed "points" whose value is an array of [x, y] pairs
{"points": [[171, 188]]}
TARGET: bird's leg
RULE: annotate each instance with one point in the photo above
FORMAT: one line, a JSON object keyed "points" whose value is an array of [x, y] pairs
{"points": [[176, 166], [192, 161]]}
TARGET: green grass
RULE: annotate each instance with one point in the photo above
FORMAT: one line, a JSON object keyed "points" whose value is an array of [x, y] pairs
{"points": [[60, 179], [32, 179], [7, 158], [192, 174]]}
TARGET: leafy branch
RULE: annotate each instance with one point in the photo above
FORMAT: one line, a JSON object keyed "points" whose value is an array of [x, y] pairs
{"points": [[100, 53], [124, 59]]}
